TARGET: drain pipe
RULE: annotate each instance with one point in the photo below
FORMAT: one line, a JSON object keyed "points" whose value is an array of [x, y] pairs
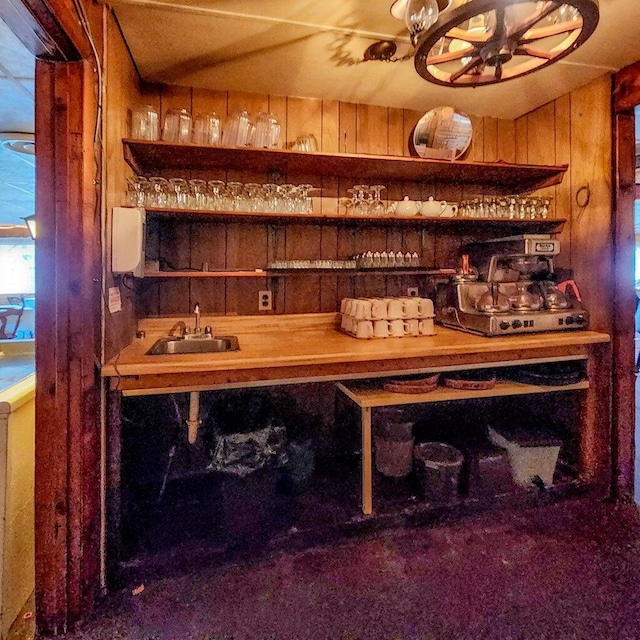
{"points": [[193, 422]]}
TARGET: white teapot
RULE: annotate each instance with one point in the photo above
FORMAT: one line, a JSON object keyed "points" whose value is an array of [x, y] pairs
{"points": [[433, 208], [407, 207]]}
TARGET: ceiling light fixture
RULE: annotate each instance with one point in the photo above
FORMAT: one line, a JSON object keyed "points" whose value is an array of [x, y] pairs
{"points": [[483, 42], [31, 225], [23, 143]]}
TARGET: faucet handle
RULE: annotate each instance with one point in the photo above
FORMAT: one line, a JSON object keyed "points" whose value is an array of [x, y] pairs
{"points": [[208, 330]]}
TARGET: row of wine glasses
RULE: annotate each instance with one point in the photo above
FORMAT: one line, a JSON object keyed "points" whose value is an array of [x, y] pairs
{"points": [[217, 195], [510, 207], [365, 200]]}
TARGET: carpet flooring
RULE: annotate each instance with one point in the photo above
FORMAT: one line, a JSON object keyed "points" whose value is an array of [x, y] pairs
{"points": [[570, 571]]}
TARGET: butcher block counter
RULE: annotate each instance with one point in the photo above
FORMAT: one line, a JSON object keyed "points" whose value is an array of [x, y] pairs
{"points": [[281, 349]]}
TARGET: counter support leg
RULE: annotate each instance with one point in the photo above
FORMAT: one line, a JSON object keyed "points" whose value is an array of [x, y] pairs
{"points": [[367, 463]]}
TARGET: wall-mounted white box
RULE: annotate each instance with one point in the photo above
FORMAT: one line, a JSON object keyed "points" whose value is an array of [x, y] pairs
{"points": [[127, 240]]}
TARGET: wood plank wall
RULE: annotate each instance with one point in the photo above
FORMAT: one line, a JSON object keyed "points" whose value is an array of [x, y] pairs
{"points": [[576, 129], [338, 126]]}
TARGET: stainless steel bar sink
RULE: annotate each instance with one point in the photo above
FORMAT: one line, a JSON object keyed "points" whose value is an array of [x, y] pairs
{"points": [[173, 345]]}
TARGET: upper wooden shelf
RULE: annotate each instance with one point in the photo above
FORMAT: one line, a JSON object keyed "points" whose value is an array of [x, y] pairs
{"points": [[513, 225], [147, 158]]}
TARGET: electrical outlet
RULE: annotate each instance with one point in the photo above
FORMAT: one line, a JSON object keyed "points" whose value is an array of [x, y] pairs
{"points": [[412, 292], [265, 301]]}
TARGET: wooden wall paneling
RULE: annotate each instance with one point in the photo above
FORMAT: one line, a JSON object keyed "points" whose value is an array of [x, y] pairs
{"points": [[304, 116], [328, 143], [625, 301], [329, 140], [303, 242], [506, 141], [175, 253], [476, 149], [592, 257], [254, 103], [346, 246], [563, 201], [276, 250], [394, 243], [329, 284], [247, 248], [372, 129], [208, 244], [347, 128], [67, 492], [396, 142], [522, 135], [371, 239], [409, 120], [627, 89], [490, 142]]}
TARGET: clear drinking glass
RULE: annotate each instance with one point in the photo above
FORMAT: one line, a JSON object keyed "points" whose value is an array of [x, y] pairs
{"points": [[267, 131], [177, 126], [137, 190], [236, 199], [206, 128], [198, 193], [238, 129], [178, 193], [158, 192], [217, 199], [145, 124], [376, 206]]}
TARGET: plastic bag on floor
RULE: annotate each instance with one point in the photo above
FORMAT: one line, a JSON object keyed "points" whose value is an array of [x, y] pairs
{"points": [[242, 453]]}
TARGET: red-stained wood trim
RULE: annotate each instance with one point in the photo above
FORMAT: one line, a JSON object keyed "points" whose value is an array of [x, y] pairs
{"points": [[626, 93], [36, 26], [623, 409], [67, 493]]}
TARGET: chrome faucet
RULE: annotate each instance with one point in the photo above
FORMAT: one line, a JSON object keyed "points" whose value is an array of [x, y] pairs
{"points": [[196, 312]]}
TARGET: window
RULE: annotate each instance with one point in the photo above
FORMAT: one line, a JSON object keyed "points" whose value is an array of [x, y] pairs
{"points": [[17, 266]]}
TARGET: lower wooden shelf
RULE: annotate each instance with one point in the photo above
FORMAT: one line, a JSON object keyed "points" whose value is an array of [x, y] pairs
{"points": [[370, 395]]}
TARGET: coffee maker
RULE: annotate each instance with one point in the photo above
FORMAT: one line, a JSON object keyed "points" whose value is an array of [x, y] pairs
{"points": [[508, 286]]}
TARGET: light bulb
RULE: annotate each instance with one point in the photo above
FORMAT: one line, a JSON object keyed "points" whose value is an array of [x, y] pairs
{"points": [[419, 16]]}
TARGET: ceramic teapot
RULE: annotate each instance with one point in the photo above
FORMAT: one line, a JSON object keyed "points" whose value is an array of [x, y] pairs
{"points": [[407, 207], [432, 207]]}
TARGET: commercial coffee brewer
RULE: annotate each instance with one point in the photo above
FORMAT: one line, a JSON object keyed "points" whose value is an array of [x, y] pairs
{"points": [[508, 286]]}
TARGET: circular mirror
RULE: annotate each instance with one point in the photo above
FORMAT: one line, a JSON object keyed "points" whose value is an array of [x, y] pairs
{"points": [[442, 134]]}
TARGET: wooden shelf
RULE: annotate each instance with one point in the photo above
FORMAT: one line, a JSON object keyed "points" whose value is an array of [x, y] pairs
{"points": [[277, 273], [147, 158], [514, 226], [368, 396]]}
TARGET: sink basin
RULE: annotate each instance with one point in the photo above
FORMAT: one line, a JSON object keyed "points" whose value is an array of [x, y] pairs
{"points": [[218, 344]]}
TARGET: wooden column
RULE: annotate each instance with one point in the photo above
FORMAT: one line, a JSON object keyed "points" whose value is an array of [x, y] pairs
{"points": [[67, 518]]}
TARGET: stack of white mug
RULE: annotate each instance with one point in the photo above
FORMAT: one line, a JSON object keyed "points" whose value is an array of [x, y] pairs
{"points": [[367, 318]]}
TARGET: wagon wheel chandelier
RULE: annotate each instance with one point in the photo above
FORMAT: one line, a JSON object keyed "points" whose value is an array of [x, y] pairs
{"points": [[483, 42]]}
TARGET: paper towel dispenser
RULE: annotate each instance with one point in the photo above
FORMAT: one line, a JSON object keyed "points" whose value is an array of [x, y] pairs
{"points": [[127, 240]]}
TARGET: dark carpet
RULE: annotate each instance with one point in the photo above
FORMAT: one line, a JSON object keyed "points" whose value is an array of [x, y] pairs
{"points": [[568, 571]]}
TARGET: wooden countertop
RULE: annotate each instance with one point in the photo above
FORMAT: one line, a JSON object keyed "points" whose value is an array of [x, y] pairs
{"points": [[300, 348]]}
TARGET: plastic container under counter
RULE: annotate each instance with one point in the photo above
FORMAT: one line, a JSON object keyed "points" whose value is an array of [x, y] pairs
{"points": [[532, 454]]}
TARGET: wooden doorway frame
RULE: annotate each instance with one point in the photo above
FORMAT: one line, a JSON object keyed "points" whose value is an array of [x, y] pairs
{"points": [[626, 96], [68, 315]]}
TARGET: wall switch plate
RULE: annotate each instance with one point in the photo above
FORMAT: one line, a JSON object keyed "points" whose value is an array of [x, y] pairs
{"points": [[265, 301], [412, 292]]}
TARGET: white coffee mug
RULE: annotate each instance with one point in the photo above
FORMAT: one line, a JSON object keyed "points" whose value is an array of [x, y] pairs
{"points": [[361, 309], [348, 323], [413, 327], [364, 329], [425, 307], [449, 211], [426, 327], [380, 328], [395, 308], [343, 305], [410, 307], [398, 328], [378, 309]]}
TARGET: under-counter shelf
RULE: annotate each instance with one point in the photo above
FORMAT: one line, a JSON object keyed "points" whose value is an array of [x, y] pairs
{"points": [[512, 225], [147, 158], [367, 396]]}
